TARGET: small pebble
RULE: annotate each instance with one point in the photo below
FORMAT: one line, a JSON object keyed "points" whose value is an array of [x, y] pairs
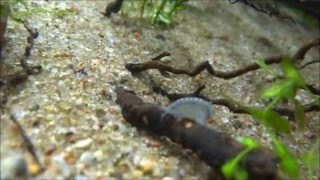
{"points": [[146, 166], [70, 158], [80, 166], [64, 106], [168, 178], [14, 167], [98, 155], [83, 144], [269, 78], [161, 37], [136, 174], [50, 108], [34, 169]]}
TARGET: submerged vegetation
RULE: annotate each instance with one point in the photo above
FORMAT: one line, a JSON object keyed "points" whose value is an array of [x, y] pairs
{"points": [[21, 14], [162, 12], [285, 88]]}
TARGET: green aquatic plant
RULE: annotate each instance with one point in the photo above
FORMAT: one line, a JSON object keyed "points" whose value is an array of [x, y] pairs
{"points": [[165, 12], [231, 168], [20, 10], [161, 11], [284, 88], [311, 159], [305, 17]]}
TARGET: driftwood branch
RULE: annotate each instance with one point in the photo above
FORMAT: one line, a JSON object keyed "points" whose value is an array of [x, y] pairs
{"points": [[284, 111], [298, 56], [28, 143], [309, 63], [33, 34], [274, 11], [214, 147], [165, 68]]}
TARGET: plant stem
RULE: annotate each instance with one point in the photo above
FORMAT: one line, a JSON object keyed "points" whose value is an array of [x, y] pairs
{"points": [[158, 11], [142, 7], [176, 5]]}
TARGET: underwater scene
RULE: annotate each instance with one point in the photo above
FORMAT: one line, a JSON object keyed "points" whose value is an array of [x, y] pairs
{"points": [[160, 89]]}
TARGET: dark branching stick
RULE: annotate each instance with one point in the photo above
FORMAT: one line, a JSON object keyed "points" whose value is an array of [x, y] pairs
{"points": [[33, 34], [302, 51], [313, 89], [160, 56], [231, 106], [164, 68], [309, 63], [21, 76], [298, 56], [274, 11], [28, 143], [214, 147]]}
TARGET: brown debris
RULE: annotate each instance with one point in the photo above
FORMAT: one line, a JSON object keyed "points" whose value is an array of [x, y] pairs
{"points": [[33, 34], [36, 167], [216, 148], [298, 56]]}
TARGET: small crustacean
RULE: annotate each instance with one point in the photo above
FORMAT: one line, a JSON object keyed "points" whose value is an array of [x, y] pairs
{"points": [[192, 108]]}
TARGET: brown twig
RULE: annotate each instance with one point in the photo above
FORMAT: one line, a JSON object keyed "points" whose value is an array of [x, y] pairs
{"points": [[299, 55], [160, 56], [28, 143], [33, 34], [313, 89], [164, 68], [231, 106], [214, 147], [302, 51], [308, 63], [20, 77], [274, 11]]}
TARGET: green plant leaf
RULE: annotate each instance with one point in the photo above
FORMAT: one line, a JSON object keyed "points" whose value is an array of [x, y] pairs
{"points": [[311, 158], [290, 71], [165, 18], [270, 119], [249, 142], [299, 114], [266, 116], [264, 66], [288, 162], [181, 7], [231, 168], [280, 89]]}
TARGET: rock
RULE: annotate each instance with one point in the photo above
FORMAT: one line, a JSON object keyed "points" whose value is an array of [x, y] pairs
{"points": [[34, 169], [98, 155], [147, 166], [14, 167], [83, 144], [161, 37], [269, 78], [136, 174]]}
